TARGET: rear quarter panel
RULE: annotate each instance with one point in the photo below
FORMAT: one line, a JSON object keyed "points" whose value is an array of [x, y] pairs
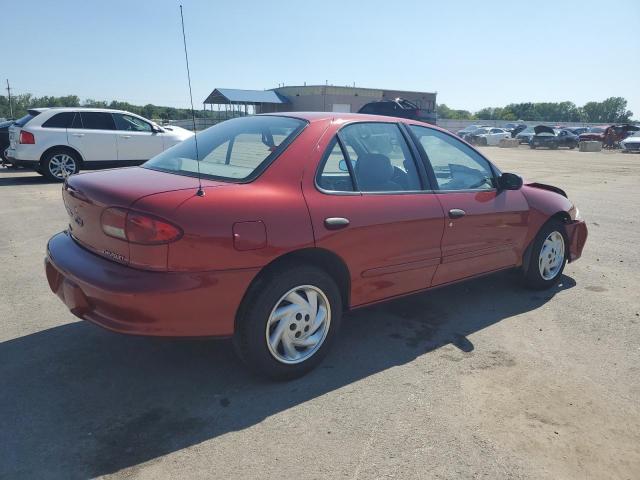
{"points": [[274, 199]]}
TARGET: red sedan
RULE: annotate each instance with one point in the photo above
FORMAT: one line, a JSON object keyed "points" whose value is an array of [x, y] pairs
{"points": [[298, 218]]}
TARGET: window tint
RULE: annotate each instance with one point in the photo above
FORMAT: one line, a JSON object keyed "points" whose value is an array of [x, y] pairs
{"points": [[334, 174], [97, 121], [496, 130], [60, 120], [456, 166], [77, 121], [381, 160], [234, 149], [130, 123]]}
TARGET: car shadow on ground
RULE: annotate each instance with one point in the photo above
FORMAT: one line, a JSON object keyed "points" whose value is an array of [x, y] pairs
{"points": [[77, 401], [32, 179]]}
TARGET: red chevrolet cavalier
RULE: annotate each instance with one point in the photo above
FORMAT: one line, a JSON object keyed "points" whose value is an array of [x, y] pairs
{"points": [[299, 217]]}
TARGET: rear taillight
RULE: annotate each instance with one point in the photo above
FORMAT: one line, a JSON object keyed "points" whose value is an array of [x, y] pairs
{"points": [[27, 138], [136, 227]]}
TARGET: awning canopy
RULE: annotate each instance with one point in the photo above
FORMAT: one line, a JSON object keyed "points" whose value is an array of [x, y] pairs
{"points": [[243, 97]]}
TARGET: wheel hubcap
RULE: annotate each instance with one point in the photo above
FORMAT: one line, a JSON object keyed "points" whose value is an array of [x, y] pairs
{"points": [[62, 165], [551, 256], [298, 324]]}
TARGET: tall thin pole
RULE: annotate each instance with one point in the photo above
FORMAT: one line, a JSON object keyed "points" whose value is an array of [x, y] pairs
{"points": [[200, 192], [10, 104]]}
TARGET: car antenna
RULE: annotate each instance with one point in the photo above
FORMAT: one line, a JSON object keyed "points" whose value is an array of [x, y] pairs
{"points": [[200, 192]]}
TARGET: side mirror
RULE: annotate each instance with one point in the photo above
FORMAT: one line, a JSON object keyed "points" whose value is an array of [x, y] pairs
{"points": [[342, 165], [156, 129], [510, 181]]}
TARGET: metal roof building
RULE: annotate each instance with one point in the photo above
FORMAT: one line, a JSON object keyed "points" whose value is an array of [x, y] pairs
{"points": [[314, 98]]}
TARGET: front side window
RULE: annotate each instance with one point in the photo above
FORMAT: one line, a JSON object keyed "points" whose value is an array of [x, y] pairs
{"points": [[130, 123], [378, 156], [60, 120], [97, 121], [456, 165], [237, 149]]}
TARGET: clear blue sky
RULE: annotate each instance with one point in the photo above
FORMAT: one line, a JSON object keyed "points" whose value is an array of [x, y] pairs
{"points": [[474, 54]]}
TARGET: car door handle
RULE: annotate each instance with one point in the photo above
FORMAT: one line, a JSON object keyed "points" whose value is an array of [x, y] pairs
{"points": [[456, 213], [334, 223], [78, 134], [125, 136]]}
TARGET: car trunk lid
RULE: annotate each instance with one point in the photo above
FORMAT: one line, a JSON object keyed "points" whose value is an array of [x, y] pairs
{"points": [[86, 196], [544, 129]]}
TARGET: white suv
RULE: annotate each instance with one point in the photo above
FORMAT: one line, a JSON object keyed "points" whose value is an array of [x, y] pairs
{"points": [[57, 142]]}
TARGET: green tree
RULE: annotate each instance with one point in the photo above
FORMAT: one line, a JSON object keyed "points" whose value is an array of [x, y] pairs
{"points": [[446, 112], [611, 110]]}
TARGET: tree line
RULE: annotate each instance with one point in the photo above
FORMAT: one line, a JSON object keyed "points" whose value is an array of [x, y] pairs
{"points": [[25, 101], [611, 110]]}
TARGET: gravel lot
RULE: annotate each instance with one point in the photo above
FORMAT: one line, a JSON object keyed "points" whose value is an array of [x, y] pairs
{"points": [[483, 379]]}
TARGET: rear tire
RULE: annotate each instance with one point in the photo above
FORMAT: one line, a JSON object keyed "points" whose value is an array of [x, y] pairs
{"points": [[548, 257], [58, 164], [281, 331]]}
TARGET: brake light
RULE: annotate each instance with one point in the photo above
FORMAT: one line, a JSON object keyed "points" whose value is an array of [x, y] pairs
{"points": [[27, 138], [136, 227]]}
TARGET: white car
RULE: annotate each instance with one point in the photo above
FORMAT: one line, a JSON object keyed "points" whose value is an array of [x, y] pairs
{"points": [[489, 136], [631, 143], [57, 142]]}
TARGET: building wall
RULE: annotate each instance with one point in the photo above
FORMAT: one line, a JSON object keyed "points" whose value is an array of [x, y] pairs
{"points": [[322, 98]]}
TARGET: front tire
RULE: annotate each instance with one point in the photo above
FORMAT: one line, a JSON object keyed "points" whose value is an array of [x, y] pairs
{"points": [[548, 256], [288, 321], [59, 164]]}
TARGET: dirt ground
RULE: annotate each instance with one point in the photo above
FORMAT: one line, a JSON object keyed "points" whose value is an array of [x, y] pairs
{"points": [[478, 380]]}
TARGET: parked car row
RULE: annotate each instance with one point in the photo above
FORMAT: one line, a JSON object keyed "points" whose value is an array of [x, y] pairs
{"points": [[57, 142], [544, 136]]}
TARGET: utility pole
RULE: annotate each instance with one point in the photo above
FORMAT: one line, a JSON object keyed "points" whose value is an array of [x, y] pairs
{"points": [[10, 104]]}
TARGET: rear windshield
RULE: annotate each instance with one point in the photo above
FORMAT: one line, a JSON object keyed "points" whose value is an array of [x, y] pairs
{"points": [[237, 149], [21, 122]]}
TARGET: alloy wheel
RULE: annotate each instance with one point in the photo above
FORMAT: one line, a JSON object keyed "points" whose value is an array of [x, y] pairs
{"points": [[61, 165], [551, 256], [298, 324]]}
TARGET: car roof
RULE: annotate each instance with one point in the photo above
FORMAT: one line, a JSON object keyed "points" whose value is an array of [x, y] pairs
{"points": [[339, 117], [80, 109]]}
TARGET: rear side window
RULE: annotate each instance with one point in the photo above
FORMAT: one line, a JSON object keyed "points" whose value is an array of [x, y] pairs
{"points": [[237, 149], [334, 175], [60, 120], [376, 154], [97, 121]]}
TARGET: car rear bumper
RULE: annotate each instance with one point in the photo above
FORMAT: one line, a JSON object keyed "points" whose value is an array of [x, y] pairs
{"points": [[577, 233], [10, 155], [138, 302]]}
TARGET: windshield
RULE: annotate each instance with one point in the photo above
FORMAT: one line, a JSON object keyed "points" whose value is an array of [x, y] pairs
{"points": [[528, 130], [237, 149], [596, 129]]}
